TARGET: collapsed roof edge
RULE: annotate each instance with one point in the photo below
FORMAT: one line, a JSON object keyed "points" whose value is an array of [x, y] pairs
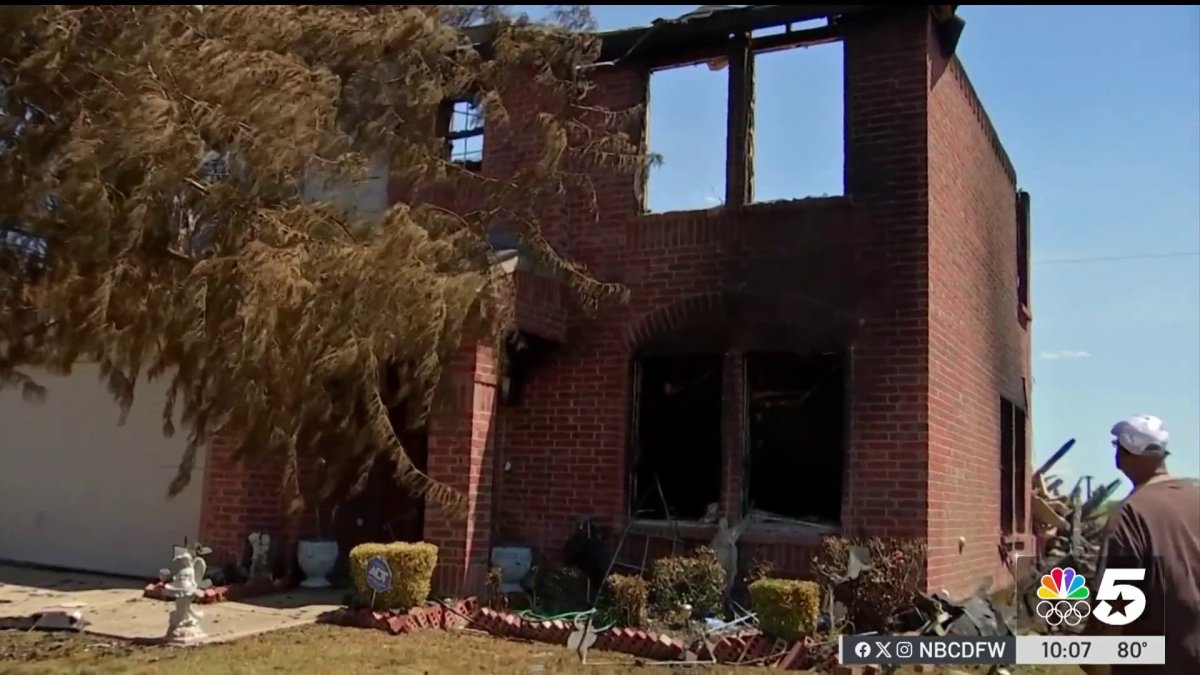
{"points": [[711, 25]]}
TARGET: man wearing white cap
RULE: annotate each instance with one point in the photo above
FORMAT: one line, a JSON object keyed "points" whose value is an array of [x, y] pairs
{"points": [[1157, 528]]}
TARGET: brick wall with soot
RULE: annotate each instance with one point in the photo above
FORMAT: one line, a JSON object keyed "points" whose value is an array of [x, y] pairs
{"points": [[861, 270]]}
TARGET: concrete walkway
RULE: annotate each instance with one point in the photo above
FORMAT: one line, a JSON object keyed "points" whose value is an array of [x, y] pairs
{"points": [[115, 607]]}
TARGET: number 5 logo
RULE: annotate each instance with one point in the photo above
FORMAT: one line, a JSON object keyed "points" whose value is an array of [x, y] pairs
{"points": [[1120, 603]]}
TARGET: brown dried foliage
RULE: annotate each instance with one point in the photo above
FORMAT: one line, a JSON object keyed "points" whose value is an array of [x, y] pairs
{"points": [[273, 315], [882, 592], [696, 580], [759, 569], [625, 600]]}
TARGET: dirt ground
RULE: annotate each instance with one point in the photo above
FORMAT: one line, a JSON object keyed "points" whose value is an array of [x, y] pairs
{"points": [[311, 649], [328, 649]]}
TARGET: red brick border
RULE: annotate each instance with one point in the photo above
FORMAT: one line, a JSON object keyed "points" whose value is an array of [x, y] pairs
{"points": [[748, 648], [231, 592], [398, 622]]}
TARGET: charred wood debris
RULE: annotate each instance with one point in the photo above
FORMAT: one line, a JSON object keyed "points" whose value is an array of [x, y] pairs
{"points": [[1071, 525], [1068, 528]]}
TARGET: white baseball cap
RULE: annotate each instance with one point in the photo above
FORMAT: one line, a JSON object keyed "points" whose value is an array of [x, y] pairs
{"points": [[1142, 435]]}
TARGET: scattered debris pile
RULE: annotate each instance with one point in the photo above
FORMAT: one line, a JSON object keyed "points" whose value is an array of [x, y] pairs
{"points": [[871, 583], [973, 616], [1069, 527], [57, 620]]}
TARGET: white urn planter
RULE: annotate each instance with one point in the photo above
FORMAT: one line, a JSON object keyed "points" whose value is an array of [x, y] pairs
{"points": [[317, 558]]}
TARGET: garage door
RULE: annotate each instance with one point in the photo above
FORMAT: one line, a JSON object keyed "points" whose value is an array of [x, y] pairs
{"points": [[80, 492]]}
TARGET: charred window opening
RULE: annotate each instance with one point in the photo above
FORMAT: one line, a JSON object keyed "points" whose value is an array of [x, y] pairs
{"points": [[796, 424], [1023, 250], [1013, 457], [764, 115], [464, 135], [686, 113], [798, 123], [676, 436]]}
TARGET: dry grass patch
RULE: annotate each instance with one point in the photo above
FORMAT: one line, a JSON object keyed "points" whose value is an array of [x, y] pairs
{"points": [[309, 650]]}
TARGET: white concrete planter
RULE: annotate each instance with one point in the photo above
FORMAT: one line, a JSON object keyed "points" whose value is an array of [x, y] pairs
{"points": [[317, 558]]}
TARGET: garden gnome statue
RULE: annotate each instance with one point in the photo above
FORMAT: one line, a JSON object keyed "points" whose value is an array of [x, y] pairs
{"points": [[187, 581], [260, 561]]}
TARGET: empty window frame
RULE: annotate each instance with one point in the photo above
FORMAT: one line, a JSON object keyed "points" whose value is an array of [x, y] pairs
{"points": [[686, 112], [798, 123], [24, 246], [1013, 458], [797, 132], [676, 436], [796, 431]]}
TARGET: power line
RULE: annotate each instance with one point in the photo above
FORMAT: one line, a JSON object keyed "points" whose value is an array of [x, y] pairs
{"points": [[1115, 258]]}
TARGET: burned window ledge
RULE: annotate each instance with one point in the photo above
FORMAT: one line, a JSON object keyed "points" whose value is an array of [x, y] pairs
{"points": [[668, 528], [756, 533], [787, 533], [799, 204]]}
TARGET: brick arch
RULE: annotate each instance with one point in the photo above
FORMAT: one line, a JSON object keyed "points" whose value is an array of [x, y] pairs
{"points": [[784, 321], [677, 316]]}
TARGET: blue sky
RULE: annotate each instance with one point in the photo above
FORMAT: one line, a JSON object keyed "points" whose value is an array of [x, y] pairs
{"points": [[1099, 108]]}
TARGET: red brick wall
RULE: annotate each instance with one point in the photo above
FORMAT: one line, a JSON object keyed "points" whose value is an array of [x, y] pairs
{"points": [[979, 349], [239, 498], [886, 172], [461, 456]]}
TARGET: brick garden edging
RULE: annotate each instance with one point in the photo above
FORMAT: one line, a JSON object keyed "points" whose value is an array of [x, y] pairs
{"points": [[399, 622], [232, 592], [750, 647]]}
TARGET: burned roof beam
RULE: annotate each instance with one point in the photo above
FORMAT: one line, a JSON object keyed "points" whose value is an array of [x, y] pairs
{"points": [[808, 38], [761, 45], [739, 134], [711, 31]]}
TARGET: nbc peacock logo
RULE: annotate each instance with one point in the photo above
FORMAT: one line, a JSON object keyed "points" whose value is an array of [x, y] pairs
{"points": [[1063, 584], [1063, 598]]}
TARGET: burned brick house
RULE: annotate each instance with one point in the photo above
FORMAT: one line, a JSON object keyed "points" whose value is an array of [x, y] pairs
{"points": [[856, 363]]}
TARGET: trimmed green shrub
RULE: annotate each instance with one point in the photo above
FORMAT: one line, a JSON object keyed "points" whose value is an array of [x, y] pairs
{"points": [[412, 572], [697, 580], [786, 608], [625, 599]]}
